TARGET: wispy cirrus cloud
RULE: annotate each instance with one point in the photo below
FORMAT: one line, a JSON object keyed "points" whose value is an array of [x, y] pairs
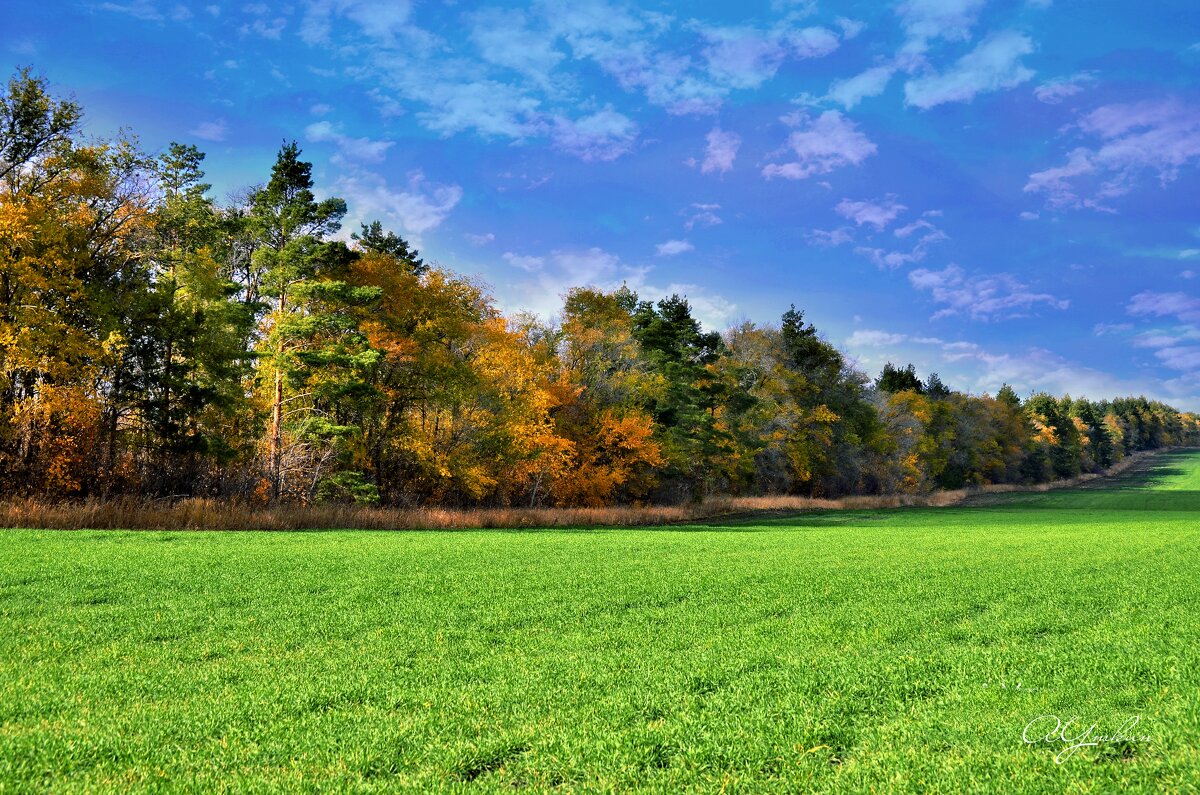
{"points": [[145, 10], [507, 38], [853, 90], [993, 65], [1152, 137], [874, 213], [673, 247], [877, 215], [1052, 92], [830, 237], [1156, 304], [925, 20], [820, 145], [743, 57], [1176, 347], [873, 338], [701, 214], [376, 21], [215, 131], [890, 260], [604, 135], [517, 72], [348, 148], [417, 207], [985, 297], [525, 263]]}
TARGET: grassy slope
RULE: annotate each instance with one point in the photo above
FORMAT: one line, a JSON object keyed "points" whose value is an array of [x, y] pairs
{"points": [[838, 652]]}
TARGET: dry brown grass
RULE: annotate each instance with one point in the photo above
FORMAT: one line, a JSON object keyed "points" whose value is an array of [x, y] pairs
{"points": [[208, 514]]}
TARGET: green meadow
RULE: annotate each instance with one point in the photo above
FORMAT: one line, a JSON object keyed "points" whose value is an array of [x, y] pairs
{"points": [[887, 651]]}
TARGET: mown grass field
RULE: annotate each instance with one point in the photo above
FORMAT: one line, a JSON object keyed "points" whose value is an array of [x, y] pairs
{"points": [[900, 650]]}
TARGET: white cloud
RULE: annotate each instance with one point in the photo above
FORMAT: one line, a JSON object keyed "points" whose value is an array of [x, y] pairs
{"points": [[869, 338], [993, 65], [850, 27], [701, 215], [713, 311], [890, 260], [621, 42], [1041, 370], [265, 28], [924, 20], [829, 237], [26, 48], [1179, 305], [917, 225], [1026, 215], [518, 72], [604, 135], [1052, 92], [374, 20], [553, 275], [479, 240], [1029, 370], [673, 247], [504, 39], [814, 42], [1176, 348], [358, 149], [743, 57], [1160, 137], [989, 297], [416, 208], [145, 10], [876, 214], [524, 263], [215, 131], [488, 107], [852, 90], [721, 150], [821, 145]]}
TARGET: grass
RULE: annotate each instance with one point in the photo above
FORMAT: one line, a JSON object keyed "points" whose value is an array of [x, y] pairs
{"points": [[886, 650]]}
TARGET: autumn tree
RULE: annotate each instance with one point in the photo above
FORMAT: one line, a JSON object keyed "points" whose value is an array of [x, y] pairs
{"points": [[605, 388]]}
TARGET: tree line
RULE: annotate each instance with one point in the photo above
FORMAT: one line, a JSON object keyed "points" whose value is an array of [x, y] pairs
{"points": [[154, 342]]}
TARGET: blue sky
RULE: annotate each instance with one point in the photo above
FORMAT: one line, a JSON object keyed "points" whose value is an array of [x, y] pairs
{"points": [[996, 191]]}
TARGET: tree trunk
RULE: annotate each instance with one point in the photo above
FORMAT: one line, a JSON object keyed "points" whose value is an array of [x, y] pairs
{"points": [[276, 450]]}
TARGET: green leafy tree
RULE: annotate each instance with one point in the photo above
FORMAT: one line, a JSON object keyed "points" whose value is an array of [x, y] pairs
{"points": [[683, 354], [893, 379], [291, 228]]}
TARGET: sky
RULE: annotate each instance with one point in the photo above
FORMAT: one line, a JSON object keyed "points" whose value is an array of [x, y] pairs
{"points": [[998, 191]]}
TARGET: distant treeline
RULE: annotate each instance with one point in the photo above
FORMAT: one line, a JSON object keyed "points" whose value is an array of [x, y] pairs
{"points": [[156, 343]]}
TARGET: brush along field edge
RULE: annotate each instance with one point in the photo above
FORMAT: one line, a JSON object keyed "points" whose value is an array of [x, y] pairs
{"points": [[211, 514]]}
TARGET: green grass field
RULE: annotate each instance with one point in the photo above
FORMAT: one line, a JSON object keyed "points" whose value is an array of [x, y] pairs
{"points": [[901, 650]]}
